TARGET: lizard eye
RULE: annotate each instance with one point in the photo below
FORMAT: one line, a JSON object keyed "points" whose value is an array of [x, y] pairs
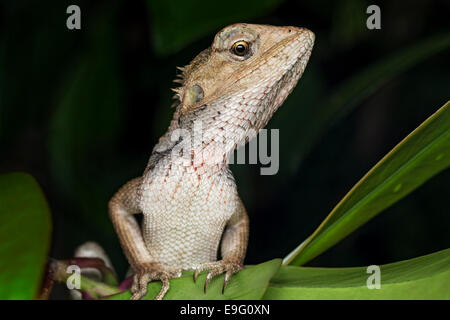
{"points": [[240, 48]]}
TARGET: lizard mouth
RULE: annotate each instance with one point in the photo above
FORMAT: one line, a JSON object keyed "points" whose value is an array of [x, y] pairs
{"points": [[289, 58]]}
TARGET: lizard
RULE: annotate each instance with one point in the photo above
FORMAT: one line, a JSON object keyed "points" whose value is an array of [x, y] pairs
{"points": [[187, 193]]}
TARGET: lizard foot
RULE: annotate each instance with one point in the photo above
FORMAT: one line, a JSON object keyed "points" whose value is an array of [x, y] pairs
{"points": [[151, 271], [216, 268]]}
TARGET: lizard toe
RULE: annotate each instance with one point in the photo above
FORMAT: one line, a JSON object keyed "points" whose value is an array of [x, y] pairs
{"points": [[151, 272], [217, 268]]}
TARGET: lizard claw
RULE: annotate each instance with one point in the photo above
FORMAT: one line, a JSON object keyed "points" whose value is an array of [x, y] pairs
{"points": [[216, 268], [196, 272], [149, 272], [207, 280], [227, 277]]}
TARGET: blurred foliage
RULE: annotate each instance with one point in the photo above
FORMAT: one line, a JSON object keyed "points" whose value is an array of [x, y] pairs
{"points": [[24, 236], [175, 24], [348, 95], [81, 110], [92, 93]]}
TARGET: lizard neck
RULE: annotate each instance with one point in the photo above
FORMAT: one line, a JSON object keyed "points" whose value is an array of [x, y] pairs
{"points": [[210, 139]]}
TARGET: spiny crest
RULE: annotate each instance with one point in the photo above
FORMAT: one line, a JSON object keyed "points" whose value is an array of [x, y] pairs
{"points": [[179, 90], [198, 61]]}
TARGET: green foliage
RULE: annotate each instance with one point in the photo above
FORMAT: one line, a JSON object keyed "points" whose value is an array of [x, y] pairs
{"points": [[24, 236], [421, 155], [248, 284], [426, 277]]}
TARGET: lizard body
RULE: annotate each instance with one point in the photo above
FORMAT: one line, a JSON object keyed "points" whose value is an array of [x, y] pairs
{"points": [[187, 194]]}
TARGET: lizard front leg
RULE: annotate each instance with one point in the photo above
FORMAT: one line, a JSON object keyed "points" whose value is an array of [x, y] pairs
{"points": [[122, 206], [233, 248]]}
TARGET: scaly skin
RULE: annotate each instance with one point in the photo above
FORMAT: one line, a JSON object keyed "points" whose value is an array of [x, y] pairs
{"points": [[187, 194]]}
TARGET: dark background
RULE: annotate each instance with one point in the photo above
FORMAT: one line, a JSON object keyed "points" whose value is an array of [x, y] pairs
{"points": [[80, 110]]}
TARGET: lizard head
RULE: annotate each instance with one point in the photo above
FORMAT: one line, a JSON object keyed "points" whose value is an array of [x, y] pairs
{"points": [[243, 77]]}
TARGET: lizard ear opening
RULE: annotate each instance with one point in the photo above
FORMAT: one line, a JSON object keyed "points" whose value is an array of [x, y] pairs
{"points": [[193, 95]]}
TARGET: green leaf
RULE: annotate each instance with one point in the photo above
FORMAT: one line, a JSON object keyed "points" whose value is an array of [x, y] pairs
{"points": [[178, 23], [248, 284], [25, 229], [421, 155], [426, 277], [317, 117]]}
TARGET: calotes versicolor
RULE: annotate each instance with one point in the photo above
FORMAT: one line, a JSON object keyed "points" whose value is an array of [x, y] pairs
{"points": [[187, 194]]}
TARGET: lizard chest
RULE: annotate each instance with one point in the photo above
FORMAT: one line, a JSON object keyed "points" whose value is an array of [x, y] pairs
{"points": [[185, 214]]}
